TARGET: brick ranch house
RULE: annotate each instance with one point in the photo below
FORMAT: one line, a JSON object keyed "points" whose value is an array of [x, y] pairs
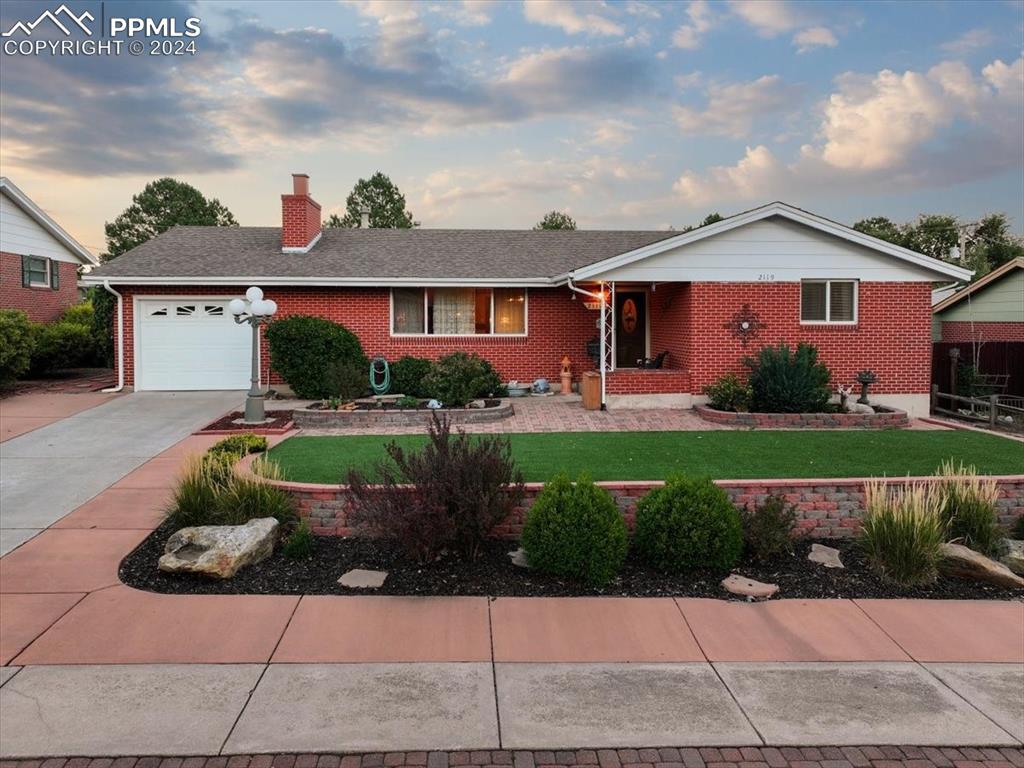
{"points": [[523, 299], [39, 261], [989, 309]]}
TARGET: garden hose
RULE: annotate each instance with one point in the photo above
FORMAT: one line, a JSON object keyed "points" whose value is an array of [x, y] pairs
{"points": [[379, 367]]}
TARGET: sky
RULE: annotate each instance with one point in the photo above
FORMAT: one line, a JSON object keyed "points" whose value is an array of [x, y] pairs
{"points": [[627, 115]]}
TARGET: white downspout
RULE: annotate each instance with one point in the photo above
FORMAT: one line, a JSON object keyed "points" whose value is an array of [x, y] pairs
{"points": [[601, 297], [120, 338]]}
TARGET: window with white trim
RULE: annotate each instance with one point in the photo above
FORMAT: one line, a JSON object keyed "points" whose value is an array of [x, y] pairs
{"points": [[458, 311], [828, 301], [36, 272]]}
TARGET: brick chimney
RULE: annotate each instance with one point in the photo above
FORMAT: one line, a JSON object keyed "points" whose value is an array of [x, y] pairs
{"points": [[300, 217]]}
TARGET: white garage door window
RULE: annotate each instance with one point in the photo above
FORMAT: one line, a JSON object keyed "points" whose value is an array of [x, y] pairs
{"points": [[191, 344]]}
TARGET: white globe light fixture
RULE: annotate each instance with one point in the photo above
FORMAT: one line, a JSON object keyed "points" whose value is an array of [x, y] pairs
{"points": [[256, 311]]}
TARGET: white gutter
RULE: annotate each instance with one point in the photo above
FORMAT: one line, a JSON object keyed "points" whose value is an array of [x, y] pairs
{"points": [[120, 338], [342, 282], [600, 297]]}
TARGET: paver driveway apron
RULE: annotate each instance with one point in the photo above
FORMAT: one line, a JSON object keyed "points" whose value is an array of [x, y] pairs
{"points": [[51, 471]]}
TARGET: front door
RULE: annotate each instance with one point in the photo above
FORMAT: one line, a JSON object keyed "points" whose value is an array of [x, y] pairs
{"points": [[630, 328]]}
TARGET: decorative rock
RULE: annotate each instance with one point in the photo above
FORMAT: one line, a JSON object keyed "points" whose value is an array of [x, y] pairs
{"points": [[741, 585], [219, 550], [478, 404], [962, 561], [1013, 555], [359, 578], [433, 404], [827, 556], [518, 558]]}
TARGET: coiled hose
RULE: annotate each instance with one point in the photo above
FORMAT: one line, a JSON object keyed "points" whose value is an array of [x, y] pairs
{"points": [[379, 368]]}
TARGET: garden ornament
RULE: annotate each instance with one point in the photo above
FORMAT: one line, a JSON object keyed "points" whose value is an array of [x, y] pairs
{"points": [[566, 375], [435, 404], [844, 393], [541, 387], [865, 378]]}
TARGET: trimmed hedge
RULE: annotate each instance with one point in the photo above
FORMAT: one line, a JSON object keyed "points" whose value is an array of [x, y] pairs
{"points": [[17, 342], [409, 374], [307, 352], [688, 524], [575, 530], [458, 378]]}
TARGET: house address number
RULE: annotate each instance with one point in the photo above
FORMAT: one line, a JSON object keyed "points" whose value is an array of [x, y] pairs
{"points": [[766, 276]]}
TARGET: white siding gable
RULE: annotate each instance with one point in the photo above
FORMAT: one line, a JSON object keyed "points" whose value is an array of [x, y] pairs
{"points": [[21, 234], [772, 249]]}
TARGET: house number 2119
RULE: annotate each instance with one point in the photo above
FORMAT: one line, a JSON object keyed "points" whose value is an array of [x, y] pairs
{"points": [[766, 276]]}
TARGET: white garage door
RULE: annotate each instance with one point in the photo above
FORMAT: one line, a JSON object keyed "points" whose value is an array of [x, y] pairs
{"points": [[191, 344]]}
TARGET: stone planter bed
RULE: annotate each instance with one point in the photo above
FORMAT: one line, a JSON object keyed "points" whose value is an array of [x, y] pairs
{"points": [[278, 422], [388, 414], [493, 574], [883, 418]]}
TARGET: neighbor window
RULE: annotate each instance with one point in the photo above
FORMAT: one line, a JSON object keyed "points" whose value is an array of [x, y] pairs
{"points": [[828, 301], [458, 311], [35, 272]]}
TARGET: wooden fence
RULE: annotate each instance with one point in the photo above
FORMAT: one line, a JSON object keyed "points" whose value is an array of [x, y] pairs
{"points": [[995, 358]]}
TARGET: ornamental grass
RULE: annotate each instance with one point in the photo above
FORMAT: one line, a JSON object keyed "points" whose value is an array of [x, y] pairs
{"points": [[969, 507], [904, 530]]}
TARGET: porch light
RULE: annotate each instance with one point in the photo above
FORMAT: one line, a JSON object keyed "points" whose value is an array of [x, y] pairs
{"points": [[256, 311]]}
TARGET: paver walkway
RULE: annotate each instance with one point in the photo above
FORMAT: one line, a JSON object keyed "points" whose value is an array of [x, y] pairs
{"points": [[51, 470], [95, 667]]}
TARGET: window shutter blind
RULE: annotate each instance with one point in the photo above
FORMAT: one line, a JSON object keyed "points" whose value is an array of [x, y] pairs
{"points": [[812, 302], [26, 278], [841, 302], [54, 274]]}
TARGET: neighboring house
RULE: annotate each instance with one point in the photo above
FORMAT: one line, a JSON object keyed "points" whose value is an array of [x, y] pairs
{"points": [[39, 261], [523, 299], [989, 309]]}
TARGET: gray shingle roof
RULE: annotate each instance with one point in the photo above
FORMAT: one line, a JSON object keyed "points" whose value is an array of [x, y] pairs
{"points": [[373, 253]]}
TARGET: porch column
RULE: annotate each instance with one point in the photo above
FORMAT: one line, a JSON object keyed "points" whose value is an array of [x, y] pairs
{"points": [[607, 337]]}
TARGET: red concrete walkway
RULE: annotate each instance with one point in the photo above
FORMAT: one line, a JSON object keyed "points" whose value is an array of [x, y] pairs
{"points": [[62, 603], [23, 413]]}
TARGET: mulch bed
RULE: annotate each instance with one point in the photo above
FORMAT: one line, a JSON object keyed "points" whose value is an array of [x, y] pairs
{"points": [[279, 422], [69, 382], [387, 405], [494, 575]]}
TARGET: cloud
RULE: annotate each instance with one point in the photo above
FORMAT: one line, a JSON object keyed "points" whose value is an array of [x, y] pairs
{"points": [[689, 36], [567, 16], [110, 115], [612, 133], [885, 131], [814, 37], [732, 108], [771, 18], [970, 41]]}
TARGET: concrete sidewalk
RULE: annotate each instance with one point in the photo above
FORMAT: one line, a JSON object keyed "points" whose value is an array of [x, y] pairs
{"points": [[115, 710], [53, 469]]}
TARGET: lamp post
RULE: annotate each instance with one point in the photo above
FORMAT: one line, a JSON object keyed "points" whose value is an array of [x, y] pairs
{"points": [[256, 311]]}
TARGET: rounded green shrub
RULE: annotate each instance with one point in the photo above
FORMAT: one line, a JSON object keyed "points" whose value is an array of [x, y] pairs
{"points": [[409, 374], [63, 345], [575, 530], [787, 381], [17, 342], [687, 524], [307, 352], [458, 378], [79, 314]]}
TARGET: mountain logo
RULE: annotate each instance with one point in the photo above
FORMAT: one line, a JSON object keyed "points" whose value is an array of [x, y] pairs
{"points": [[26, 28]]}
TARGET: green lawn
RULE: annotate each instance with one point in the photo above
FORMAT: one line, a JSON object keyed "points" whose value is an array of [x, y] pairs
{"points": [[655, 455]]}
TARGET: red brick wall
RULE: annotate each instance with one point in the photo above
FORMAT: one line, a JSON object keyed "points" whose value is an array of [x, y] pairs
{"points": [[958, 331], [892, 336], [670, 323], [556, 325], [641, 382], [43, 305]]}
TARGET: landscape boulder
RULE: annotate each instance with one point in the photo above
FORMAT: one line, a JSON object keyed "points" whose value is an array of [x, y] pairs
{"points": [[959, 560], [827, 556], [219, 550], [360, 578], [741, 585], [1013, 555]]}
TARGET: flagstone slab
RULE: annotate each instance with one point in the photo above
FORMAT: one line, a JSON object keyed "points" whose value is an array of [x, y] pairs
{"points": [[123, 710], [850, 703], [67, 561], [126, 626], [354, 707], [24, 617], [159, 473], [952, 630], [787, 630], [334, 628], [125, 508], [590, 629], [552, 706], [995, 689]]}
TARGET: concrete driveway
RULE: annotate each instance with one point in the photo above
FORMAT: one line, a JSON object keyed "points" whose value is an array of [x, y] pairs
{"points": [[50, 471]]}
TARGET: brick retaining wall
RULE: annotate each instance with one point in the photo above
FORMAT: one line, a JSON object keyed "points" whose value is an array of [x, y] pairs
{"points": [[886, 419], [826, 508]]}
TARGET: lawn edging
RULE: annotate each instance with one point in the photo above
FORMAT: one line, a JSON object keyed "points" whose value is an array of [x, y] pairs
{"points": [[826, 507], [889, 418]]}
